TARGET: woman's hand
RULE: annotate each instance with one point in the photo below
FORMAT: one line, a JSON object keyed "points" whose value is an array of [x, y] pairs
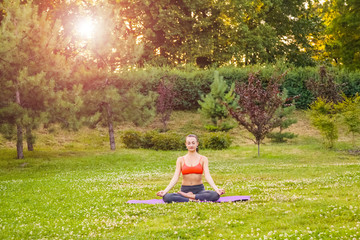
{"points": [[220, 191], [161, 193]]}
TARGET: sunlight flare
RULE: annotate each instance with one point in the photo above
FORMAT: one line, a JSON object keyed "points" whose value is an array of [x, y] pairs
{"points": [[86, 27]]}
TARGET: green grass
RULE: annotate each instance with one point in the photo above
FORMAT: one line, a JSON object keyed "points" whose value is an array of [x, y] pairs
{"points": [[299, 190]]}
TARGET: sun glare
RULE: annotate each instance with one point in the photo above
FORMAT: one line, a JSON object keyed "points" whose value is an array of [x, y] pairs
{"points": [[86, 27]]}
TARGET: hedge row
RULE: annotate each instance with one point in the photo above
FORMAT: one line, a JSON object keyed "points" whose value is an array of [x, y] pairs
{"points": [[172, 141], [191, 83]]}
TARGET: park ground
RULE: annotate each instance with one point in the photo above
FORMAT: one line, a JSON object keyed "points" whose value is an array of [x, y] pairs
{"points": [[73, 187]]}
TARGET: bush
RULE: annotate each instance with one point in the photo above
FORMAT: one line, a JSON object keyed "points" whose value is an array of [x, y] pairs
{"points": [[280, 137], [132, 139], [323, 117], [191, 83], [153, 140], [168, 141], [172, 141], [216, 141], [224, 127], [148, 139]]}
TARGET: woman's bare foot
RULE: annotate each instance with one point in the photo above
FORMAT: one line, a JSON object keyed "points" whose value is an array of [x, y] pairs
{"points": [[189, 195]]}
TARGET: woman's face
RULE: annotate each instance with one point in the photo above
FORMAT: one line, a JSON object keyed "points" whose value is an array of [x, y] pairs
{"points": [[191, 144]]}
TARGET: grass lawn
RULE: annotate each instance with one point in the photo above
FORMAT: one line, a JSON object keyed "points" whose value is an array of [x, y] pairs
{"points": [[72, 187]]}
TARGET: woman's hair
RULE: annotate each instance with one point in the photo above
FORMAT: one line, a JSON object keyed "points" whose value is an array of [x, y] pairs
{"points": [[197, 139]]}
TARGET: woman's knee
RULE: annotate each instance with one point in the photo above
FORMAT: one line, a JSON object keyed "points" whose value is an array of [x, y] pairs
{"points": [[174, 197], [168, 198], [213, 196], [208, 196]]}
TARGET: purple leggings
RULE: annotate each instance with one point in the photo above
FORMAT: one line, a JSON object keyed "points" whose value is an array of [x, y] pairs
{"points": [[199, 191]]}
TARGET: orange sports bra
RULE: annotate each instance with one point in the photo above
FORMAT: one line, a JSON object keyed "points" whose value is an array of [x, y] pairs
{"points": [[198, 169]]}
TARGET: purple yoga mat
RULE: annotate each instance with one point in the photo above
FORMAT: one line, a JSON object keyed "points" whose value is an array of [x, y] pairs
{"points": [[222, 199]]}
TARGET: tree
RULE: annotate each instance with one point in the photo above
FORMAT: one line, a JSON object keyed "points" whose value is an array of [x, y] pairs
{"points": [[325, 87], [256, 106], [29, 65], [101, 57], [165, 100], [342, 41], [211, 104], [176, 31], [206, 32], [283, 114], [349, 111], [323, 116]]}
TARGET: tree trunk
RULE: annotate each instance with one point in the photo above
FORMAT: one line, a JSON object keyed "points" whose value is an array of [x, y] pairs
{"points": [[111, 128], [19, 141], [258, 149], [29, 139]]}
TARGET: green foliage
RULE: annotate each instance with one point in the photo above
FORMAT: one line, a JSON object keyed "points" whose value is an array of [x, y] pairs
{"points": [[349, 111], [216, 141], [342, 41], [172, 141], [8, 131], [223, 127], [323, 117], [147, 139], [191, 84], [280, 137], [168, 141], [212, 105], [283, 114], [295, 83], [212, 33], [32, 68], [153, 140], [132, 139]]}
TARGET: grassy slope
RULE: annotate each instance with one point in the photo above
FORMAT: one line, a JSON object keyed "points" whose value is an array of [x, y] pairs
{"points": [[73, 187]]}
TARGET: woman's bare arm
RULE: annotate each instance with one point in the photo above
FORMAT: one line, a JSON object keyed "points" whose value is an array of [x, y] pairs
{"points": [[207, 174], [176, 176], [208, 177]]}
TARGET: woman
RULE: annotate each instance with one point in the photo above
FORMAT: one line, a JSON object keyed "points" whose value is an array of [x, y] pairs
{"points": [[192, 166]]}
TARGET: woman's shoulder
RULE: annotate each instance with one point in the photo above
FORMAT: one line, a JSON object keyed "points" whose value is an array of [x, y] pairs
{"points": [[203, 158], [180, 159]]}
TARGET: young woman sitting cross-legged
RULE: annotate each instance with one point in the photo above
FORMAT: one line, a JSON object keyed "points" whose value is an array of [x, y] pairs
{"points": [[192, 166]]}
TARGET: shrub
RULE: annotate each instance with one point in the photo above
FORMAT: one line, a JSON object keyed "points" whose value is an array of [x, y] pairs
{"points": [[323, 117], [224, 127], [216, 141], [349, 111], [192, 83], [283, 119], [148, 139], [280, 137], [132, 139], [168, 141]]}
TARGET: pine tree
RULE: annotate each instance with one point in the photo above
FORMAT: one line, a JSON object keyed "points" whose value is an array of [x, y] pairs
{"points": [[29, 67], [212, 104], [111, 50], [283, 114]]}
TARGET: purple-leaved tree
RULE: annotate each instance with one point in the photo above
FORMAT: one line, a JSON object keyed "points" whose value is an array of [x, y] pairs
{"points": [[257, 103], [165, 101]]}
